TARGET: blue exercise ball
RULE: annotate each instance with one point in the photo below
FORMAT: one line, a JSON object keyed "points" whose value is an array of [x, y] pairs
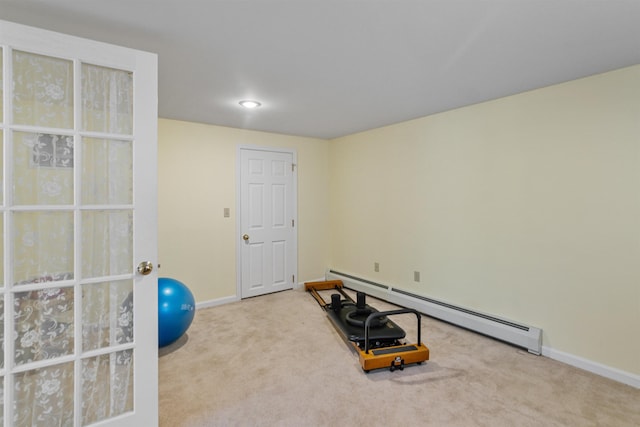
{"points": [[176, 309]]}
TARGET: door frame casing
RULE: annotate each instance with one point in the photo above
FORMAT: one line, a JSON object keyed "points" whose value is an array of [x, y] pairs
{"points": [[294, 178]]}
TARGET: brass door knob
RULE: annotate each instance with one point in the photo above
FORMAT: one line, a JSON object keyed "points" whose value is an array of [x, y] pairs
{"points": [[145, 267], [245, 237]]}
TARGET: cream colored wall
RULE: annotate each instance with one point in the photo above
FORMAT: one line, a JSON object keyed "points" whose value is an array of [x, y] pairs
{"points": [[197, 180], [527, 207]]}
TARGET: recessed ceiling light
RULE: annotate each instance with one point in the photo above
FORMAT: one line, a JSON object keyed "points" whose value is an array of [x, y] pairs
{"points": [[247, 103]]}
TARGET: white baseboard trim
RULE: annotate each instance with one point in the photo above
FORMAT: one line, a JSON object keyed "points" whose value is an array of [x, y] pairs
{"points": [[216, 302], [593, 367]]}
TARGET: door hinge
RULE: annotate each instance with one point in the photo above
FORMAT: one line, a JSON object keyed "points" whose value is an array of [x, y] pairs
{"points": [[293, 278], [293, 167], [293, 222]]}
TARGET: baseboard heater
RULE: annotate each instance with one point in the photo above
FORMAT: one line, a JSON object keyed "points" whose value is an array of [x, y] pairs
{"points": [[504, 330]]}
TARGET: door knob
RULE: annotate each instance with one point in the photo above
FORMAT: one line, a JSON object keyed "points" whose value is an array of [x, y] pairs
{"points": [[145, 267], [245, 237]]}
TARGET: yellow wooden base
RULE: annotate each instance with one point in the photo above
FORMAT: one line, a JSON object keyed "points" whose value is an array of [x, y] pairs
{"points": [[395, 357], [323, 285], [314, 287]]}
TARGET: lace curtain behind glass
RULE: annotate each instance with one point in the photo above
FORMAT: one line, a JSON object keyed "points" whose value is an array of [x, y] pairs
{"points": [[43, 247]]}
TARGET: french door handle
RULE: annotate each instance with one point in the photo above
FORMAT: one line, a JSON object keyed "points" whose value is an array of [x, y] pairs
{"points": [[145, 267]]}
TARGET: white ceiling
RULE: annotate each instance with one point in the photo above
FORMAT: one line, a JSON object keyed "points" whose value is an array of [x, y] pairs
{"points": [[328, 68]]}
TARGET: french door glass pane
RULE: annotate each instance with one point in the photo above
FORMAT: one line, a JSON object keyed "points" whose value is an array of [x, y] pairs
{"points": [[107, 243], [42, 169], [1, 141], [1, 254], [107, 171], [2, 401], [1, 93], [107, 386], [43, 322], [1, 340], [107, 100], [42, 246], [44, 397], [42, 90], [107, 314]]}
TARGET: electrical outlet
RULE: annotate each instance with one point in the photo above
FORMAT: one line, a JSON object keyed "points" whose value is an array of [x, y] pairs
{"points": [[376, 267], [416, 276]]}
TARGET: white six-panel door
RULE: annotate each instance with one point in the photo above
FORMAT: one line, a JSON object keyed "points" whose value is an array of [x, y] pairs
{"points": [[78, 322], [267, 217]]}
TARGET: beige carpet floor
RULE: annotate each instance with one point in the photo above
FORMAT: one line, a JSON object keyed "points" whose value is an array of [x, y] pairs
{"points": [[276, 360]]}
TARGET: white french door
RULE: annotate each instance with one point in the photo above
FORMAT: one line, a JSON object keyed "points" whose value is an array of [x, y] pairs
{"points": [[78, 127], [267, 238]]}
